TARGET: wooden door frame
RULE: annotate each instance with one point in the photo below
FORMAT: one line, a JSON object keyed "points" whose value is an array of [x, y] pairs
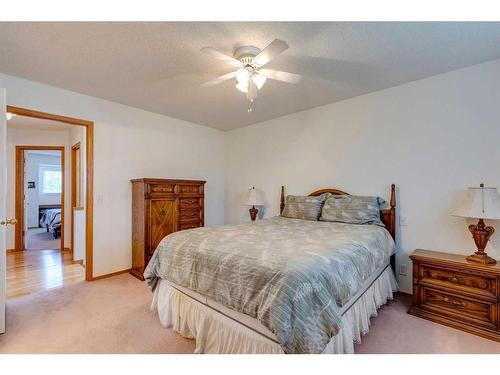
{"points": [[74, 148], [19, 191], [89, 196]]}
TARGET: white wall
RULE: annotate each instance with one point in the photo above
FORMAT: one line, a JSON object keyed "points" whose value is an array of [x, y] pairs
{"points": [[33, 137], [79, 233], [35, 196], [130, 143], [433, 138]]}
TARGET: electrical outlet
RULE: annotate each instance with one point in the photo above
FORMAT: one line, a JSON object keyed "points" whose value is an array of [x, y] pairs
{"points": [[403, 221], [403, 269]]}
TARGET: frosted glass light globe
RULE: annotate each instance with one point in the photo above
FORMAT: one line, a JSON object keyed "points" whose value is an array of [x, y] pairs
{"points": [[242, 75], [259, 80], [242, 86]]}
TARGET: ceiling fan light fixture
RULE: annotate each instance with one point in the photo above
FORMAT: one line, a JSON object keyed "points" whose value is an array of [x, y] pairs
{"points": [[249, 71], [259, 80], [242, 86], [10, 116], [242, 75]]}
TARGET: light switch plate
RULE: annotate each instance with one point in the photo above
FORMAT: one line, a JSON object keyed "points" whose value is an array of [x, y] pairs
{"points": [[403, 269]]}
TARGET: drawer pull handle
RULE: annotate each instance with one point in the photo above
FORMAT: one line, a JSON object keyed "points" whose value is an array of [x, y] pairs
{"points": [[455, 303], [454, 279]]}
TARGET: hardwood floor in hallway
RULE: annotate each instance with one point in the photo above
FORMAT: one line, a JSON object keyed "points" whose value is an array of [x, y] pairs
{"points": [[32, 271]]}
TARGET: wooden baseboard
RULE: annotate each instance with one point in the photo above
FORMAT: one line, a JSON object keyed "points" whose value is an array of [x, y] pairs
{"points": [[110, 274], [14, 250], [404, 294], [134, 272]]}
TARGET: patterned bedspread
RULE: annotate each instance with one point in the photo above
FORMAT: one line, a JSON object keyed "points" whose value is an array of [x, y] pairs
{"points": [[290, 274]]}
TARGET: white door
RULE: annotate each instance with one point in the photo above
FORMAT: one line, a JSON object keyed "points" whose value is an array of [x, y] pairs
{"points": [[3, 192]]}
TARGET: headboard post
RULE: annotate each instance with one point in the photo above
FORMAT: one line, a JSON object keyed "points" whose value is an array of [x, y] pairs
{"points": [[393, 196], [391, 222], [282, 199], [391, 225]]}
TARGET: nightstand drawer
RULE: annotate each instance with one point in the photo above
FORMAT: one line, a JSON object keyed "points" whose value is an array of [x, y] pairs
{"points": [[477, 285], [458, 307]]}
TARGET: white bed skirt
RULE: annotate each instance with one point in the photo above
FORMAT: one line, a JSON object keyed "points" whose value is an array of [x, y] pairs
{"points": [[217, 333]]}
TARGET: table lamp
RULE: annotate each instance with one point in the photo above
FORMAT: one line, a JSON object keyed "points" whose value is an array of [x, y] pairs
{"points": [[480, 203], [254, 199]]}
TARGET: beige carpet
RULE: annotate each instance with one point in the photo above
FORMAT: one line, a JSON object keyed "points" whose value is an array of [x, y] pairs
{"points": [[394, 331], [112, 316], [106, 316]]}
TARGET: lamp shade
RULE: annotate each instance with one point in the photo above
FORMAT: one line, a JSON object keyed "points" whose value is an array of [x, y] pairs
{"points": [[479, 203], [255, 198]]}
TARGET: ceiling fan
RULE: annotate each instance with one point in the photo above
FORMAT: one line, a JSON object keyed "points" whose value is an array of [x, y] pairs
{"points": [[249, 60]]}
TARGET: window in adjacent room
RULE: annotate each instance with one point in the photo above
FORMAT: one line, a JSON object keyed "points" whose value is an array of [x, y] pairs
{"points": [[51, 179]]}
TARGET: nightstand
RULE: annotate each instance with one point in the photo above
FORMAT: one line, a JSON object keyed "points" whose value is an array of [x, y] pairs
{"points": [[449, 290]]}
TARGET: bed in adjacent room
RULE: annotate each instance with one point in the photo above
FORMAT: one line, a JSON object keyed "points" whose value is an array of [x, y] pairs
{"points": [[303, 282], [51, 221]]}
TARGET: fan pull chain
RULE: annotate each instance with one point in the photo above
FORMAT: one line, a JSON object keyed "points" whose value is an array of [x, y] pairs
{"points": [[249, 108]]}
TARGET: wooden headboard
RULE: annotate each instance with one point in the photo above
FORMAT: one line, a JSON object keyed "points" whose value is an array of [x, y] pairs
{"points": [[388, 216]]}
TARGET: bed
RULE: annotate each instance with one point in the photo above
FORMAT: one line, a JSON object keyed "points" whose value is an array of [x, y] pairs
{"points": [[51, 221], [277, 285]]}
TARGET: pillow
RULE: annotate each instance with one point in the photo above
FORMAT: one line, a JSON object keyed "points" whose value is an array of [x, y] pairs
{"points": [[353, 209], [306, 208]]}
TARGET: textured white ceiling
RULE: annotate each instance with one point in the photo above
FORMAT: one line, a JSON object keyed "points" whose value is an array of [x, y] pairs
{"points": [[159, 66]]}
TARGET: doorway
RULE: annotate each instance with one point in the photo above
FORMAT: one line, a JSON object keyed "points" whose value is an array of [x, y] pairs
{"points": [[40, 188], [86, 185]]}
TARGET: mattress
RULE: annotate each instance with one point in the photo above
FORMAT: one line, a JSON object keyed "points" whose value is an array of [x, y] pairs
{"points": [[252, 323]]}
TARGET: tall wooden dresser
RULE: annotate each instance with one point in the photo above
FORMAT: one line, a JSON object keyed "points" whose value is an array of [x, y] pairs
{"points": [[161, 207]]}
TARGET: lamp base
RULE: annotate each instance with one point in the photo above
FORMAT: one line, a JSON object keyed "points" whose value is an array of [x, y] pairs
{"points": [[481, 257], [481, 234], [253, 213]]}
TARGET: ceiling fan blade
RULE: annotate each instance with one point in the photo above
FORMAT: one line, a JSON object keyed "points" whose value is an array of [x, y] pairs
{"points": [[221, 56], [280, 76], [252, 92], [219, 79], [276, 47]]}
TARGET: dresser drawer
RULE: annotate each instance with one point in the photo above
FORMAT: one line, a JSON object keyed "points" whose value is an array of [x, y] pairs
{"points": [[164, 188], [187, 190], [477, 285], [189, 203], [460, 308], [189, 215], [184, 226]]}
